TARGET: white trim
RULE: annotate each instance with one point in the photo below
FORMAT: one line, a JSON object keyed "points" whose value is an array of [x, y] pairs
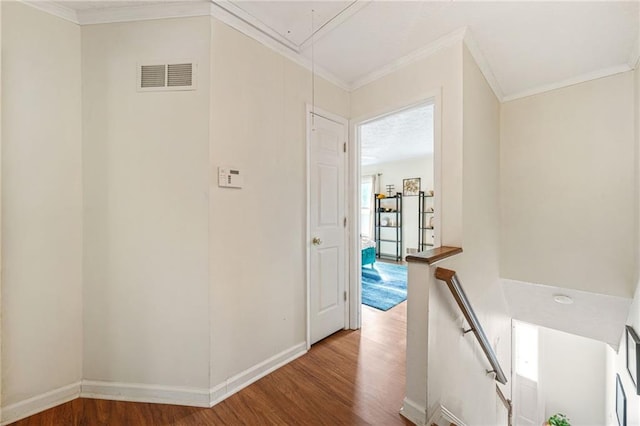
{"points": [[307, 206], [417, 55], [28, 407], [142, 12], [483, 64], [443, 417], [54, 9], [355, 264], [569, 82], [139, 392], [241, 380], [414, 412]]}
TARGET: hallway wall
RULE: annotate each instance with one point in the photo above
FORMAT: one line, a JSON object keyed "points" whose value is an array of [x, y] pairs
{"points": [[146, 188], [257, 234], [41, 206]]}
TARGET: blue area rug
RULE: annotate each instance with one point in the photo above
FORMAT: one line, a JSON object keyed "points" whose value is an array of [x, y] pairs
{"points": [[384, 285]]}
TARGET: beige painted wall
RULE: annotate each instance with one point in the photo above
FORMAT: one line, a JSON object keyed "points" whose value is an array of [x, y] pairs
{"points": [[41, 203], [568, 187], [146, 188], [257, 233]]}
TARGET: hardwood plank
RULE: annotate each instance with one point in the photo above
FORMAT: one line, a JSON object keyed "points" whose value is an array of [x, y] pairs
{"points": [[350, 378]]}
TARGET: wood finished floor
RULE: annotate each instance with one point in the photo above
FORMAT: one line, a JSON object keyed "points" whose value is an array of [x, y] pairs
{"points": [[350, 378]]}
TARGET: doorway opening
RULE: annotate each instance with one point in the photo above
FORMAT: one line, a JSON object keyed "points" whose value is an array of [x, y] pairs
{"points": [[395, 204]]}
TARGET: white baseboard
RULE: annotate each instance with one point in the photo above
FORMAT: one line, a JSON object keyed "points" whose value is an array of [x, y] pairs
{"points": [[38, 403], [258, 371], [414, 412], [137, 392], [443, 417]]}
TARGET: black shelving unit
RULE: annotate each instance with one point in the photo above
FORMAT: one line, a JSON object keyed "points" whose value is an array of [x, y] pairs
{"points": [[389, 212], [425, 221]]}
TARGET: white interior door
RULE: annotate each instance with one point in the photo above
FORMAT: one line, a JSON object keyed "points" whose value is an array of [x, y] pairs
{"points": [[525, 403], [327, 229]]}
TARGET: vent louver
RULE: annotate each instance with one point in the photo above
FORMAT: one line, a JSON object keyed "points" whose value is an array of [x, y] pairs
{"points": [[165, 77], [152, 76], [179, 75]]}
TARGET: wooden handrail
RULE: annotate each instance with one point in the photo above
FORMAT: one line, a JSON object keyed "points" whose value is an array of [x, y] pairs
{"points": [[434, 255], [450, 277]]}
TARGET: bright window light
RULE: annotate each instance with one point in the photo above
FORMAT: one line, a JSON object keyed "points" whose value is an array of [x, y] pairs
{"points": [[526, 350]]}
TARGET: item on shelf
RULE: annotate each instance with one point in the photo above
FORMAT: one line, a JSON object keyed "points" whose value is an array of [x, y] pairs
{"points": [[426, 221], [381, 196], [390, 189]]}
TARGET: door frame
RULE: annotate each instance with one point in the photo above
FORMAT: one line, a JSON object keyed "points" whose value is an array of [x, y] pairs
{"points": [[355, 262], [309, 110]]}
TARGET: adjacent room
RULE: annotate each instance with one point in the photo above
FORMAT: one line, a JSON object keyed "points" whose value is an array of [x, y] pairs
{"points": [[397, 215]]}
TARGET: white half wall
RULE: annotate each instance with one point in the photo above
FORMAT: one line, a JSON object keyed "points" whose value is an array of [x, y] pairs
{"points": [[146, 187], [41, 204], [258, 233], [568, 188]]}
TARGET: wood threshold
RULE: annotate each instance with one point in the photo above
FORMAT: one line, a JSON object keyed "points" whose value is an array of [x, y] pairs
{"points": [[434, 255]]}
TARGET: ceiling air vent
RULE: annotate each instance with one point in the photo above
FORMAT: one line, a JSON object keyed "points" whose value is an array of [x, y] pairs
{"points": [[165, 77]]}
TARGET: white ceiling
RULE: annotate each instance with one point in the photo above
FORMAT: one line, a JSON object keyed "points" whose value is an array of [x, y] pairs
{"points": [[523, 47], [597, 316], [399, 136]]}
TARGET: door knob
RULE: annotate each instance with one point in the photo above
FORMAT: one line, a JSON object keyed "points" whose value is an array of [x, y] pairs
{"points": [[316, 241]]}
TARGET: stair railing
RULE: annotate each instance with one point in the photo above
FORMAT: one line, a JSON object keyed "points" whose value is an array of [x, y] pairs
{"points": [[450, 277]]}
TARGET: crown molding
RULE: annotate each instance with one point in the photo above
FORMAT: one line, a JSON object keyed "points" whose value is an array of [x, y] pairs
{"points": [[483, 64], [259, 33], [54, 9], [607, 72], [342, 16], [142, 12], [424, 52], [241, 20]]}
